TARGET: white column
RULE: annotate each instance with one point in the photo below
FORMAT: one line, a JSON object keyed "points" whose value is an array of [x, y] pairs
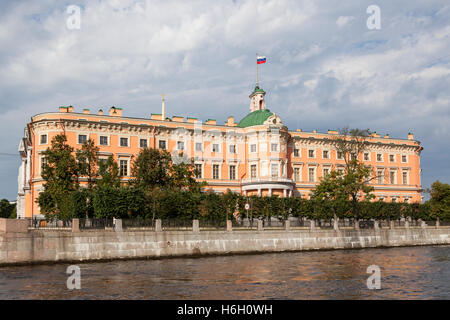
{"points": [[284, 193], [270, 192]]}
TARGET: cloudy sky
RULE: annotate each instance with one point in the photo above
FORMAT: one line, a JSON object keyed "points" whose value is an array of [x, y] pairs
{"points": [[325, 69]]}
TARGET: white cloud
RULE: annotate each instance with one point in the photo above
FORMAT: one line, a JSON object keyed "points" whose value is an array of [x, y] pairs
{"points": [[344, 20]]}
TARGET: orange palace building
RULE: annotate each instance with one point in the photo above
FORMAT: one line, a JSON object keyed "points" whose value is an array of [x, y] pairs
{"points": [[256, 156]]}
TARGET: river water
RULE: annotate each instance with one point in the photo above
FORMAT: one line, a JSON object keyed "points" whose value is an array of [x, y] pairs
{"points": [[406, 273]]}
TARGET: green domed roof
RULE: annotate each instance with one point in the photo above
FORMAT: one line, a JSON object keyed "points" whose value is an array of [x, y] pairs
{"points": [[255, 118]]}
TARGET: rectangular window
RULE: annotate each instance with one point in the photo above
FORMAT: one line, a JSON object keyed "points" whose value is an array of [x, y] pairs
{"points": [[162, 144], [253, 170], [405, 177], [103, 140], [123, 167], [379, 157], [311, 174], [124, 142], [296, 174], [274, 147], [180, 145], [393, 199], [198, 170], [326, 171], [232, 148], [296, 153], [215, 147], [391, 158], [44, 139], [232, 172], [392, 177], [340, 155], [82, 138], [311, 153], [274, 170], [325, 154], [380, 177], [405, 200], [198, 146], [253, 148], [143, 143], [215, 171], [366, 156], [404, 158], [353, 156], [43, 163], [340, 171]]}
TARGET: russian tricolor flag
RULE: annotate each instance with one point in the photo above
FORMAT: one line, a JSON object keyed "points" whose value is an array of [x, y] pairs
{"points": [[260, 60]]}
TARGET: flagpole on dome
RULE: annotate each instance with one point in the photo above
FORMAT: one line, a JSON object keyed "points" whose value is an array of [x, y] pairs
{"points": [[257, 83]]}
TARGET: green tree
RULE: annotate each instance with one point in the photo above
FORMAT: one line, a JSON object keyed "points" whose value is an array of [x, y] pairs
{"points": [[60, 172], [440, 201], [108, 173], [88, 161], [331, 194], [152, 168], [351, 143], [7, 210]]}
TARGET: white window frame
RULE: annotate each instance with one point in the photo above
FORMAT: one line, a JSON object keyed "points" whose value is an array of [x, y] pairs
{"points": [[314, 175], [234, 148], [166, 144], [46, 139], [298, 153], [201, 146], [128, 141], [146, 139], [82, 134], [201, 169], [250, 170], [299, 173], [108, 140], [219, 171], [382, 157], [256, 147], [337, 155], [404, 155], [273, 165], [328, 153], [391, 155], [382, 176], [229, 171], [128, 160], [218, 147], [178, 145], [314, 153], [395, 177], [272, 145], [368, 158], [326, 168], [407, 177]]}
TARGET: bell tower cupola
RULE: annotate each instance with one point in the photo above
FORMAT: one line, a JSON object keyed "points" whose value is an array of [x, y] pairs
{"points": [[257, 101]]}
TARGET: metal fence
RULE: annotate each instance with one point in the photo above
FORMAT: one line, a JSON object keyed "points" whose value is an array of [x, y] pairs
{"points": [[95, 223], [50, 224], [176, 224], [138, 224], [212, 224]]}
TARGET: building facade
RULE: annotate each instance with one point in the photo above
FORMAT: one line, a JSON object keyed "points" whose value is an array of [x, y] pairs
{"points": [[257, 156]]}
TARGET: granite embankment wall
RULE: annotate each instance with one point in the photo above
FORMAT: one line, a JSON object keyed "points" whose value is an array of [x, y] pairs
{"points": [[40, 246]]}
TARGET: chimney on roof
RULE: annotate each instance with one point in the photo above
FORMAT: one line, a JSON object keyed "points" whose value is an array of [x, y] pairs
{"points": [[115, 112]]}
